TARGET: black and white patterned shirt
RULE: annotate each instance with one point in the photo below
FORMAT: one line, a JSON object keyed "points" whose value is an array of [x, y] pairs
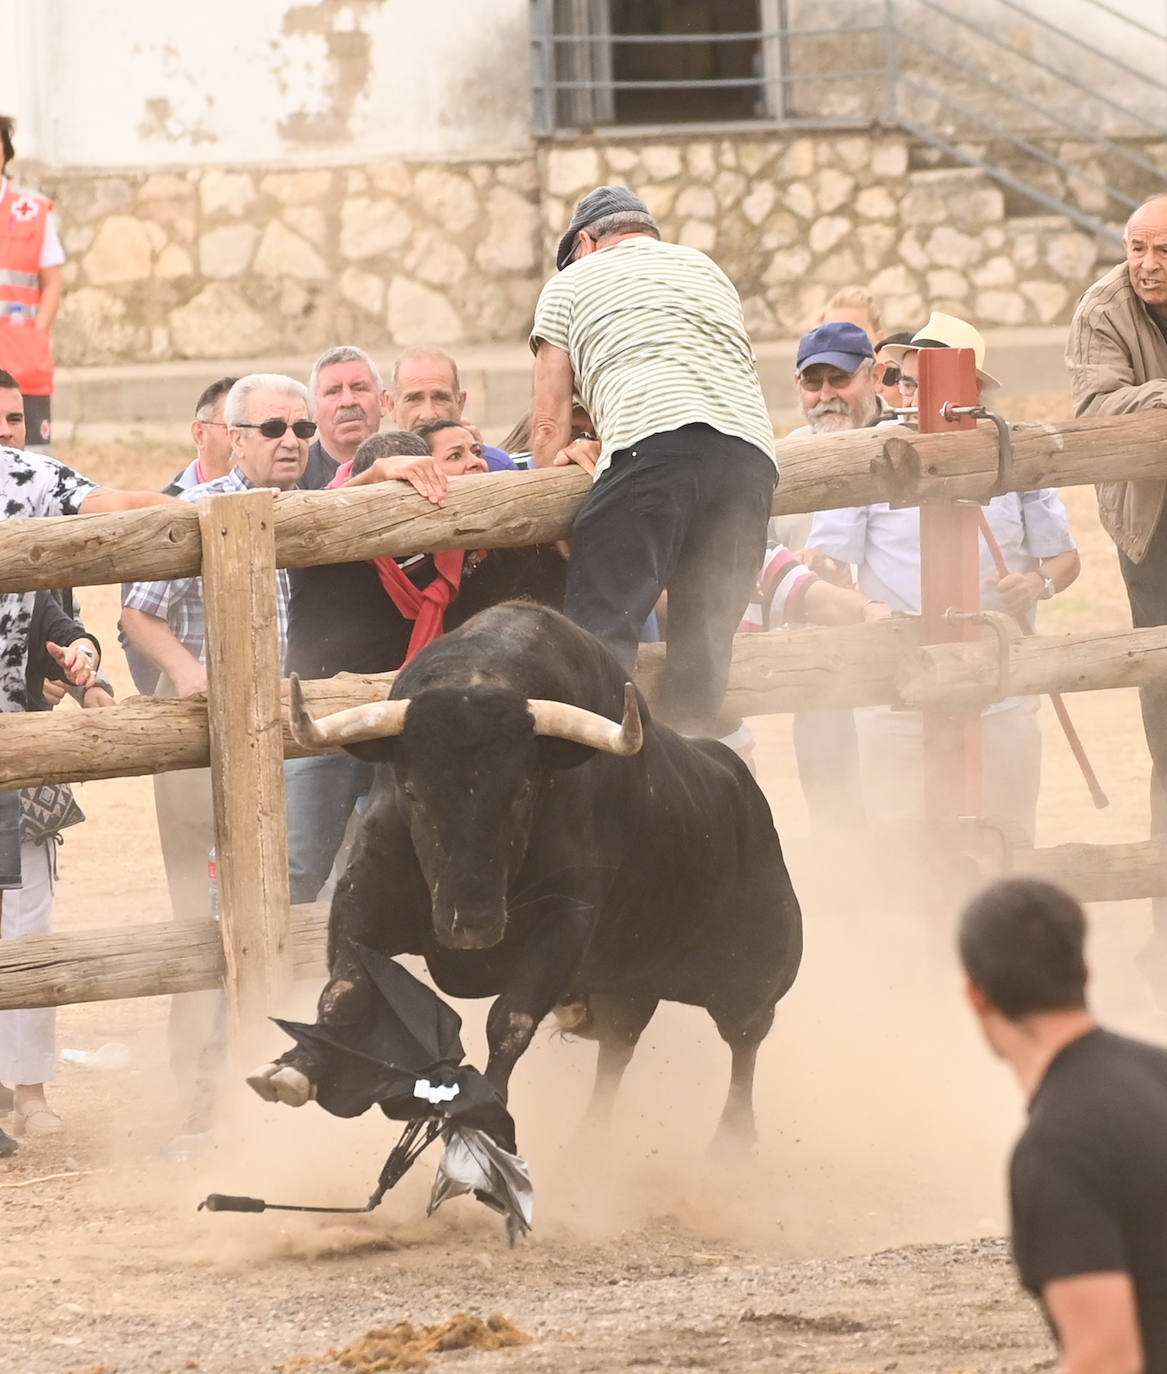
{"points": [[30, 484]]}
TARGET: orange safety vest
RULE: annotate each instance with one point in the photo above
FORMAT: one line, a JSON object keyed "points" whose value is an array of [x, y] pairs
{"points": [[24, 349]]}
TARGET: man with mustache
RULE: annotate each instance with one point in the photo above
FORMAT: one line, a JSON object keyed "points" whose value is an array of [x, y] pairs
{"points": [[835, 376], [349, 401], [1117, 357]]}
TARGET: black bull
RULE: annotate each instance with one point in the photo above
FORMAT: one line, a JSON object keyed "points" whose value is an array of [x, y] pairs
{"points": [[550, 873]]}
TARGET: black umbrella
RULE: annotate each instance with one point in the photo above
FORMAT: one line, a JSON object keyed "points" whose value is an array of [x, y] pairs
{"points": [[406, 1056]]}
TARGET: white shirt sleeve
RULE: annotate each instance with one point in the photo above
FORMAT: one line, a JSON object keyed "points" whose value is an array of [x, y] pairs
{"points": [[52, 254]]}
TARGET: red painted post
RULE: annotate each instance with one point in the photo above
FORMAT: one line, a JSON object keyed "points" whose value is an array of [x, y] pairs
{"points": [[950, 579]]}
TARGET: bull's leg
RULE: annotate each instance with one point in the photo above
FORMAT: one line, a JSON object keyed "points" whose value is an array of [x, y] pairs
{"points": [[617, 1023], [541, 977], [359, 915], [737, 1126]]}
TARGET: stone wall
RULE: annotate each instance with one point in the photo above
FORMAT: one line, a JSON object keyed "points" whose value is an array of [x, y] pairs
{"points": [[242, 262], [791, 220], [224, 263]]}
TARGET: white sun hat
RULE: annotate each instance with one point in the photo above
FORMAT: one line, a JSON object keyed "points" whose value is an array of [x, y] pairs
{"points": [[946, 331]]}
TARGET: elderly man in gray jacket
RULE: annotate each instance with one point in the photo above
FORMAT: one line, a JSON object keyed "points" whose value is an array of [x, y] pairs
{"points": [[1117, 356]]}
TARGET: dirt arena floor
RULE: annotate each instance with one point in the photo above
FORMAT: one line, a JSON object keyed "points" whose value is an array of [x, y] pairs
{"points": [[864, 1236]]}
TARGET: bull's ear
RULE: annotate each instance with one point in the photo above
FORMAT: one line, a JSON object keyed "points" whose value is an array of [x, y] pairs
{"points": [[562, 753], [375, 750]]}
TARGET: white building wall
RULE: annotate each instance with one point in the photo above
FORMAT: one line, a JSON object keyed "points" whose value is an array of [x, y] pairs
{"points": [[134, 83]]}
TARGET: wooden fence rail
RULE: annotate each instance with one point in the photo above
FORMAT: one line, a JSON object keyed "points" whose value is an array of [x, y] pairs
{"points": [[815, 668], [148, 960], [505, 510], [807, 669]]}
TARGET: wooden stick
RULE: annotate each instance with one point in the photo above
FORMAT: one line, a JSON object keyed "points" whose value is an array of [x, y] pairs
{"points": [[52, 1178], [1098, 796]]}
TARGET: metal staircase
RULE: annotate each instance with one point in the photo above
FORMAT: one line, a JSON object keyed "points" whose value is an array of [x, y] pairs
{"points": [[1007, 97], [1063, 103]]}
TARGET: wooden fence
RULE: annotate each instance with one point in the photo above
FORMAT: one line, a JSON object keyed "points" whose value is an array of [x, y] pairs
{"points": [[240, 728]]}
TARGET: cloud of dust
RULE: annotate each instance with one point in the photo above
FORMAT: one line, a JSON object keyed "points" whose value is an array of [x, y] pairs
{"points": [[883, 1118]]}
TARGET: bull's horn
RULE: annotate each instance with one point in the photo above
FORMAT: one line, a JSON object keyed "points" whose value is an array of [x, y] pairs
{"points": [[376, 720], [586, 727]]}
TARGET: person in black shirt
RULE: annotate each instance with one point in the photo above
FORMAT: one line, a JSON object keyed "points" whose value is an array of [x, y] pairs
{"points": [[343, 618], [1088, 1178]]}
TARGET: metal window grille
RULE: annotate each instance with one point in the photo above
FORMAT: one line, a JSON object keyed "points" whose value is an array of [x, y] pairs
{"points": [[1002, 87]]}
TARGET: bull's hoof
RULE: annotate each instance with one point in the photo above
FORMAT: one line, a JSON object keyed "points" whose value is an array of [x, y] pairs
{"points": [[282, 1083]]}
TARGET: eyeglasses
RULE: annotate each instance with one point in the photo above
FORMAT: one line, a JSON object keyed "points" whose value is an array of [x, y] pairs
{"points": [[891, 376], [276, 429]]}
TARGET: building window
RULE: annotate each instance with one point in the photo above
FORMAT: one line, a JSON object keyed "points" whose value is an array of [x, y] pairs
{"points": [[605, 62]]}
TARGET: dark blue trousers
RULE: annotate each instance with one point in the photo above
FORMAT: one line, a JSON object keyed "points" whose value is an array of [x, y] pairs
{"points": [[683, 511]]}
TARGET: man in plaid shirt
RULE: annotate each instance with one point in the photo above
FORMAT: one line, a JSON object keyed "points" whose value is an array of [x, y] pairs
{"points": [[269, 429]]}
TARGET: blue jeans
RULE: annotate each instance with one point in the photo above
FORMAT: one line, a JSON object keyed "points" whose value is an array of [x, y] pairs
{"points": [[9, 840], [322, 792]]}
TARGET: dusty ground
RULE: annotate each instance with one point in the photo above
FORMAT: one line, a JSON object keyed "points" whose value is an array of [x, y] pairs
{"points": [[864, 1237]]}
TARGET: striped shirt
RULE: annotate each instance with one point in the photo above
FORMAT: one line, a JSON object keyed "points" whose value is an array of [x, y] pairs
{"points": [[180, 602], [780, 595], [657, 340]]}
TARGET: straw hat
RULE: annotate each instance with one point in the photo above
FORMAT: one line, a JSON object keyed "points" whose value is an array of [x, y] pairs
{"points": [[945, 331]]}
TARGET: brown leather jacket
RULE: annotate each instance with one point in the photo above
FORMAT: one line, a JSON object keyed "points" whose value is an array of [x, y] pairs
{"points": [[1118, 363]]}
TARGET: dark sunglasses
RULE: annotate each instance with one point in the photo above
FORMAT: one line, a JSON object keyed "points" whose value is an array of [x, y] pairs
{"points": [[891, 376], [276, 429]]}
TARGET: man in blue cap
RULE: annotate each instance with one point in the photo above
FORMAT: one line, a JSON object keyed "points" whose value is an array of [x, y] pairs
{"points": [[652, 338], [836, 382]]}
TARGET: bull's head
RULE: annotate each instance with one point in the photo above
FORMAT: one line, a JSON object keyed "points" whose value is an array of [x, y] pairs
{"points": [[469, 766]]}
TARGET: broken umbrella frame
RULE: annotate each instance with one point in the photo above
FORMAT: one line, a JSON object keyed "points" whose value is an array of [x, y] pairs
{"points": [[406, 1058]]}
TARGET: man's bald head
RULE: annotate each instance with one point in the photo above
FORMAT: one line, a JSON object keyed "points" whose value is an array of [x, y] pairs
{"points": [[1145, 238]]}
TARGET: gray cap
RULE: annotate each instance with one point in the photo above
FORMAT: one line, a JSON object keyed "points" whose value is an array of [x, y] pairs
{"points": [[604, 200]]}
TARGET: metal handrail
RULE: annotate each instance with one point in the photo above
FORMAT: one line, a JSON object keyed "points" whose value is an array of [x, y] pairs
{"points": [[1015, 51], [1070, 124], [612, 39], [1080, 43], [722, 82], [586, 59], [1126, 19], [1043, 66], [1087, 221]]}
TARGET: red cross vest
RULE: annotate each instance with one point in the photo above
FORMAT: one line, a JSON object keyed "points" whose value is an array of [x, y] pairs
{"points": [[24, 349]]}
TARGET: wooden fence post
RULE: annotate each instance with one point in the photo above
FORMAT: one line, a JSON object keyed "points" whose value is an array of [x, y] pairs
{"points": [[247, 756]]}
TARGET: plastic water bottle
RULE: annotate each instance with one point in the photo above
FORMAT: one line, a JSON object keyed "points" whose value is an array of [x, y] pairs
{"points": [[214, 899]]}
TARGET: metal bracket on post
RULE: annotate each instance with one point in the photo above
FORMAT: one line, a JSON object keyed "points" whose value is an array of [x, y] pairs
{"points": [[1004, 479]]}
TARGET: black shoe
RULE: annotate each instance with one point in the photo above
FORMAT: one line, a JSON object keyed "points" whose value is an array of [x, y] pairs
{"points": [[8, 1146], [7, 1100]]}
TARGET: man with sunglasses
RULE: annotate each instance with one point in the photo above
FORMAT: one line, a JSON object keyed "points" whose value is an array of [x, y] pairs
{"points": [[269, 431]]}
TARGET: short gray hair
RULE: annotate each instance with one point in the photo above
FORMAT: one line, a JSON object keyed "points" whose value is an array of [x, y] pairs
{"points": [[425, 351], [624, 222], [343, 353], [235, 406], [390, 443]]}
